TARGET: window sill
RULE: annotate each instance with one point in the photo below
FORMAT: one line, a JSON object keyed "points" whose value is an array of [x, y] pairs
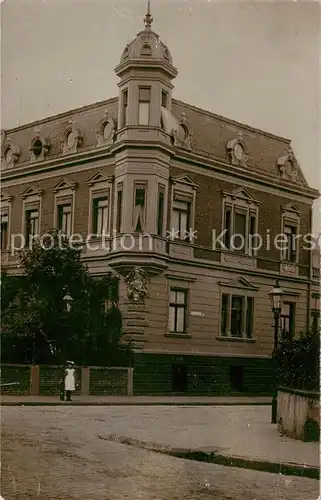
{"points": [[178, 335], [235, 339]]}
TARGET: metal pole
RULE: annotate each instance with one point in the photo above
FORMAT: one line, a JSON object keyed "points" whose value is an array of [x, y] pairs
{"points": [[274, 359]]}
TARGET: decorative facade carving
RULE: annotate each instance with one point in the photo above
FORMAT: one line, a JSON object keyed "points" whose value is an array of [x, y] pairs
{"points": [[71, 139], [106, 133], [10, 153], [237, 151], [136, 282], [288, 166], [182, 134], [39, 147]]}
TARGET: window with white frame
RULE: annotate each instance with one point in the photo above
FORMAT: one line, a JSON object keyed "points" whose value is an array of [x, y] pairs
{"points": [[119, 207], [289, 247], [290, 231], [144, 105], [64, 215], [4, 230], [288, 320], [178, 310], [100, 215], [140, 193], [181, 218], [183, 209], [124, 109], [240, 222], [160, 210], [237, 315], [31, 224]]}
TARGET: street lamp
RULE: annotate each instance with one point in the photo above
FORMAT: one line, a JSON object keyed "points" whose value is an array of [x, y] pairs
{"points": [[68, 300], [276, 295]]}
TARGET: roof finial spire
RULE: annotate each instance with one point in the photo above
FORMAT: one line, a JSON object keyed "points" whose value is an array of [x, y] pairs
{"points": [[148, 19]]}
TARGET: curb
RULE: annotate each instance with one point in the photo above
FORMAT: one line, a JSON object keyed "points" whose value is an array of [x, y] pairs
{"points": [[131, 403], [283, 468]]}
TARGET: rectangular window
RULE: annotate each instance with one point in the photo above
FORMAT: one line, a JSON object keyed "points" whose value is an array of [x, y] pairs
{"points": [[224, 315], [237, 311], [4, 231], [64, 219], [181, 220], [100, 216], [164, 98], [237, 316], [227, 228], [288, 320], [143, 106], [315, 324], [124, 117], [290, 243], [139, 208], [32, 223], [239, 226], [177, 310], [119, 208], [249, 317], [239, 232], [160, 210]]}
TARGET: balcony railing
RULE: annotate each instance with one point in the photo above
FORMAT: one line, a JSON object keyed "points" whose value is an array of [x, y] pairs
{"points": [[316, 273]]}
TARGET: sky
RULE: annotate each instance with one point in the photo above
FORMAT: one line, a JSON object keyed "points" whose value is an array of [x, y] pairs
{"points": [[257, 63]]}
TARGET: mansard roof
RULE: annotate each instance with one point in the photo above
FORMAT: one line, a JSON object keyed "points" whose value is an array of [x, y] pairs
{"points": [[211, 137]]}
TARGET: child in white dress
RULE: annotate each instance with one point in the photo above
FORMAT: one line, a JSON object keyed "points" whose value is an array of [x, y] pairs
{"points": [[70, 379]]}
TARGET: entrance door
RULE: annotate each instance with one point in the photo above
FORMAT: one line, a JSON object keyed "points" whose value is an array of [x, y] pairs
{"points": [[237, 378], [179, 378]]}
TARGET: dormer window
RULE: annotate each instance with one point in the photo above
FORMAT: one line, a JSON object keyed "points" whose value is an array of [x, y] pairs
{"points": [[37, 148], [146, 50]]}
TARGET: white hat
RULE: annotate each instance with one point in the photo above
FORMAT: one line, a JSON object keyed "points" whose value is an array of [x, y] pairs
{"points": [[70, 363]]}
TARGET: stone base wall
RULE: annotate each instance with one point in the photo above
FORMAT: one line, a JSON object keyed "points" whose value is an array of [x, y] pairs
{"points": [[45, 380], [299, 414], [201, 375]]}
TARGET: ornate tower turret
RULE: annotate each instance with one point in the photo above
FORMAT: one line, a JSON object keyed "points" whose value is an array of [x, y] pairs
{"points": [[145, 71]]}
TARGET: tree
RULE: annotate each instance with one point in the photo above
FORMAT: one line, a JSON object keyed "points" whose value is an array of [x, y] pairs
{"points": [[36, 327]]}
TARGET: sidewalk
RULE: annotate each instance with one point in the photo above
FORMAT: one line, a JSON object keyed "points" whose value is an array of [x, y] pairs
{"points": [[79, 400], [241, 436]]}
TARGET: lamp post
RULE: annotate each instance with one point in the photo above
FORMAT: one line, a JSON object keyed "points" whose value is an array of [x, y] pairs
{"points": [[275, 295]]}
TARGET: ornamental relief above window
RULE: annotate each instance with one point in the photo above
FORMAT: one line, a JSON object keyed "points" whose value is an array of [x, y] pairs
{"points": [[39, 147], [10, 153], [288, 166], [71, 139], [237, 151], [106, 133]]}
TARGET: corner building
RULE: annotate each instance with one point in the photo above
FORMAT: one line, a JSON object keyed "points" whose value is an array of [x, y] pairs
{"points": [[164, 179]]}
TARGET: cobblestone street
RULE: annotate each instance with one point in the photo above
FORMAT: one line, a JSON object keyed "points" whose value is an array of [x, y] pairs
{"points": [[55, 454]]}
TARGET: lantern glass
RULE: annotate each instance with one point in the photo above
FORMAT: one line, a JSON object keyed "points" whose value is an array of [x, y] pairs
{"points": [[276, 295], [68, 302]]}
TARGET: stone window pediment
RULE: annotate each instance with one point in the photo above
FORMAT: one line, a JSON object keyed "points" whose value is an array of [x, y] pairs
{"points": [[31, 192], [186, 181], [241, 195], [65, 184], [98, 178], [240, 283]]}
